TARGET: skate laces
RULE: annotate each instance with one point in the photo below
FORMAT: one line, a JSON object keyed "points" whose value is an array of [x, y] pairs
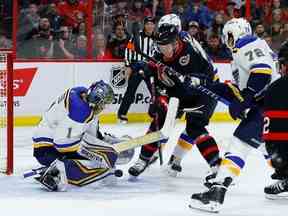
{"points": [[280, 185]]}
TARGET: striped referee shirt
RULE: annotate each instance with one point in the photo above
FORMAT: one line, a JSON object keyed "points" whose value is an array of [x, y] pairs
{"points": [[144, 43]]}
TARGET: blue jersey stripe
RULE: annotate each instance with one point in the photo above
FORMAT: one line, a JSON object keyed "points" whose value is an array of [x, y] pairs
{"points": [[261, 66], [237, 160], [42, 139], [244, 41], [67, 145], [186, 138]]}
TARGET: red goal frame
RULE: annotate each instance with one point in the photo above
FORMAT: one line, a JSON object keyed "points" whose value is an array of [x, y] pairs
{"points": [[9, 109]]}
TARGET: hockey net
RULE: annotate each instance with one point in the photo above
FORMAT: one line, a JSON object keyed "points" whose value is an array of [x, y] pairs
{"points": [[6, 111]]}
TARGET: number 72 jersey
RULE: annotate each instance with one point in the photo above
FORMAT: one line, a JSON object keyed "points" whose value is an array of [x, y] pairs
{"points": [[252, 55]]}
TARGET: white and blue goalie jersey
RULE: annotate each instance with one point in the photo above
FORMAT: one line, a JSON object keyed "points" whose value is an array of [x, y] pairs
{"points": [[65, 122]]}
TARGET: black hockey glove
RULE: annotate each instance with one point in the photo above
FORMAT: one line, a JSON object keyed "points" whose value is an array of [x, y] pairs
{"points": [[163, 73]]}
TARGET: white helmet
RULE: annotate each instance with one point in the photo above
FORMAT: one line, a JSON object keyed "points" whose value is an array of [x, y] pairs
{"points": [[235, 29], [171, 19]]}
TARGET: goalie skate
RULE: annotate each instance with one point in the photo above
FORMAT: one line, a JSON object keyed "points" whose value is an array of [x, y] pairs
{"points": [[54, 178]]}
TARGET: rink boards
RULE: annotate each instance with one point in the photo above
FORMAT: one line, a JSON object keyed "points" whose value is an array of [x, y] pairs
{"points": [[37, 84]]}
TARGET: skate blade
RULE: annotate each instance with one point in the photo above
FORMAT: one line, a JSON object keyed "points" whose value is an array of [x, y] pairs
{"points": [[169, 172], [212, 207], [122, 122], [281, 196]]}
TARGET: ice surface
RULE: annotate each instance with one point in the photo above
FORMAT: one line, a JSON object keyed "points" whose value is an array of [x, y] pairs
{"points": [[153, 194]]}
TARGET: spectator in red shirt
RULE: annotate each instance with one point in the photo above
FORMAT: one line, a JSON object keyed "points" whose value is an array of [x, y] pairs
{"points": [[138, 11], [217, 5], [70, 10]]}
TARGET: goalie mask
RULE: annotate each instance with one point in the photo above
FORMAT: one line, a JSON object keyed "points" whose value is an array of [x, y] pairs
{"points": [[99, 94], [235, 29]]}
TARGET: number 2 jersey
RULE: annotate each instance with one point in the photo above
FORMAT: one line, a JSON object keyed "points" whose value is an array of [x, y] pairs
{"points": [[64, 123]]}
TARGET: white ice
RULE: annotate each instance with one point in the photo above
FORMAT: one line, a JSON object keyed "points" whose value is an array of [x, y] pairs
{"points": [[153, 194]]}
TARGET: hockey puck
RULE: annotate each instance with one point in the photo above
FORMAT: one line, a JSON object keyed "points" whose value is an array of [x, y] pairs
{"points": [[118, 173]]}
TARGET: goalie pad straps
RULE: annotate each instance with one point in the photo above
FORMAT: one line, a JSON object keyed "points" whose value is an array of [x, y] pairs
{"points": [[97, 151]]}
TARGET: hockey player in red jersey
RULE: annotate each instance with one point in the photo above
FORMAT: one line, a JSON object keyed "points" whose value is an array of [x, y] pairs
{"points": [[275, 131], [188, 59]]}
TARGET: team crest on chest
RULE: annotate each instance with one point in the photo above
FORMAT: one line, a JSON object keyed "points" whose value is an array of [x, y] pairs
{"points": [[184, 60]]}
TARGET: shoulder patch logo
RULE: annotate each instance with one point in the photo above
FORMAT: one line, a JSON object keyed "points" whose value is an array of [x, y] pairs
{"points": [[117, 78], [184, 60]]}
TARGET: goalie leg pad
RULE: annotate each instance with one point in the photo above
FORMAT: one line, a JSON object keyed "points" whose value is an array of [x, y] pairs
{"points": [[84, 172]]}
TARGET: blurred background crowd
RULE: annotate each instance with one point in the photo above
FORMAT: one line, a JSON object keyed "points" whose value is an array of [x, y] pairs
{"points": [[100, 29]]}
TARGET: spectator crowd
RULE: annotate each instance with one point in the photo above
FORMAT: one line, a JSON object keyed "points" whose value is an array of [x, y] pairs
{"points": [[65, 29]]}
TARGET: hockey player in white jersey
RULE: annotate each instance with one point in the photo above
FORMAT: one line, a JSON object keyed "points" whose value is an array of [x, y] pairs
{"points": [[253, 70], [67, 140]]}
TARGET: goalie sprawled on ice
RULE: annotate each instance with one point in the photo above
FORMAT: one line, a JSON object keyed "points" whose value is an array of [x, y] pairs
{"points": [[68, 143]]}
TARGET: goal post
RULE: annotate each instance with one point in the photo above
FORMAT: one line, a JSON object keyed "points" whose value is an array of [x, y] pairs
{"points": [[6, 111]]}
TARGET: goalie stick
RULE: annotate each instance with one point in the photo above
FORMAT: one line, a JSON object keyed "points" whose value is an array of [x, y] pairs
{"points": [[110, 153], [40, 170], [180, 76]]}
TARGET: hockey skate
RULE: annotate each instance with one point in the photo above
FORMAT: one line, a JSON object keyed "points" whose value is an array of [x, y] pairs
{"points": [[212, 199], [278, 190], [54, 178], [123, 119], [138, 168], [173, 167]]}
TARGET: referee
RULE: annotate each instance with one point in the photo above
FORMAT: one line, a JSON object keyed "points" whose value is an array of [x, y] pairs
{"points": [[144, 41]]}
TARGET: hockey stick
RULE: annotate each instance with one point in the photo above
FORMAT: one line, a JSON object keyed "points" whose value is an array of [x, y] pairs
{"points": [[180, 76], [33, 172], [162, 134], [156, 118], [110, 153], [40, 170]]}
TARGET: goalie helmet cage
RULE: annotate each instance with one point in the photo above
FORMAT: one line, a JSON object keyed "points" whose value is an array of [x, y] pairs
{"points": [[6, 111]]}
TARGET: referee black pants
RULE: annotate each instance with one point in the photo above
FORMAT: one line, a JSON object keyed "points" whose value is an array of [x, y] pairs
{"points": [[129, 96]]}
